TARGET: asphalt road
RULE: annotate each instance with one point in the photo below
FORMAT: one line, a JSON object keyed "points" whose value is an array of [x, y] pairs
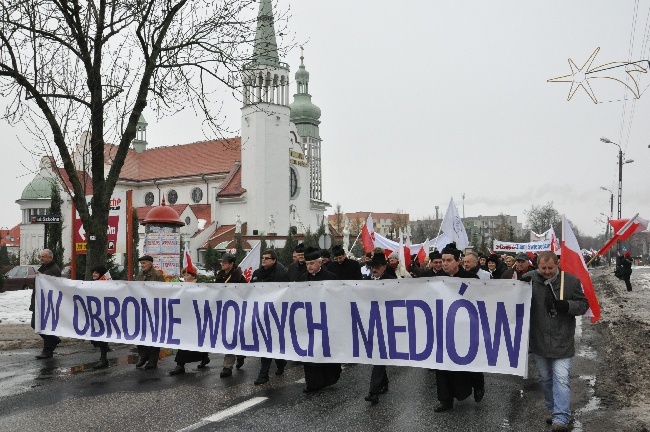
{"points": [[65, 394]]}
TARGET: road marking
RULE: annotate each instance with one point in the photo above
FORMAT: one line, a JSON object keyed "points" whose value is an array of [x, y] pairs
{"points": [[221, 415]]}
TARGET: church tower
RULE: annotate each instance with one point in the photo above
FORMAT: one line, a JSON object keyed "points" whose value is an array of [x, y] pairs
{"points": [[305, 115], [265, 131]]}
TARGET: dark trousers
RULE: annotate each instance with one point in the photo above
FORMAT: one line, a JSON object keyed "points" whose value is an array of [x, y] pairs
{"points": [[184, 356], [378, 379], [266, 365], [49, 341], [319, 375], [628, 285], [148, 353], [457, 385]]}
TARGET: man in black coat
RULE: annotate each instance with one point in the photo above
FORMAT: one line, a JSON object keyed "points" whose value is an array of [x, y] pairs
{"points": [[378, 377], [298, 267], [48, 267], [451, 384], [343, 267], [318, 375], [625, 268], [435, 265], [270, 271]]}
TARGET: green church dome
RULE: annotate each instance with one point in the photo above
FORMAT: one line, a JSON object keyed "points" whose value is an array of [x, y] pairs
{"points": [[303, 110], [39, 188]]}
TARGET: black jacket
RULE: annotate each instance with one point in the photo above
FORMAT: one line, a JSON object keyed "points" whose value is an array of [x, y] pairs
{"points": [[295, 270], [462, 273], [233, 276], [320, 276], [386, 275], [346, 270], [276, 273]]}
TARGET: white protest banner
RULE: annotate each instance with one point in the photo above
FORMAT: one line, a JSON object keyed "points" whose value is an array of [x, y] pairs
{"points": [[501, 246], [441, 322]]}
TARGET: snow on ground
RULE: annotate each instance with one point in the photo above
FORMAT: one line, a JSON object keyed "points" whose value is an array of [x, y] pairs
{"points": [[14, 307]]}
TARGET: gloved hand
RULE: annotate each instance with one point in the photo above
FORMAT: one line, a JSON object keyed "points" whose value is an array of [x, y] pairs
{"points": [[561, 306]]}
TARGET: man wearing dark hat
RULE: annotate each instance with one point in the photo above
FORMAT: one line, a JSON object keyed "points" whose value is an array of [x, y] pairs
{"points": [[343, 267], [318, 376], [452, 384], [270, 271], [297, 267], [230, 273], [327, 258], [148, 356], [435, 265], [522, 266], [378, 377]]}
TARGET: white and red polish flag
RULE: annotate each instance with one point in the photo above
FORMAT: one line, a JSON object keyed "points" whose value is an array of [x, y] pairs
{"points": [[368, 235], [574, 263], [187, 258], [623, 229], [251, 262], [423, 253]]}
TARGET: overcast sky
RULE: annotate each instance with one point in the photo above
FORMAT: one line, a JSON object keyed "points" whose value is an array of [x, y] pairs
{"points": [[425, 100]]}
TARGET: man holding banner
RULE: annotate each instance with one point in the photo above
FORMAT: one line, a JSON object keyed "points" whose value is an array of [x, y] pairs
{"points": [[452, 384], [556, 301], [148, 355]]}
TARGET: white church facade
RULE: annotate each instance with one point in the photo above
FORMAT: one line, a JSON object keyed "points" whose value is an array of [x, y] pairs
{"points": [[267, 181]]}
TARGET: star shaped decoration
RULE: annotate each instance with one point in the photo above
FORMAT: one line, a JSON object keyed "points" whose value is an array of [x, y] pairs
{"points": [[578, 77], [617, 71]]}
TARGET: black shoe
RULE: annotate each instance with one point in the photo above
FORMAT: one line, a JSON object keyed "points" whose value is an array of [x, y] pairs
{"points": [[101, 364], [383, 389], [279, 370], [478, 394], [310, 390], [179, 369], [204, 362], [150, 365], [225, 373], [141, 363], [444, 406], [262, 379], [240, 362], [372, 398], [45, 355]]}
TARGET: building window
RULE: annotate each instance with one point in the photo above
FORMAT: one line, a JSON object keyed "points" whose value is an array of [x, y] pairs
{"points": [[187, 220], [293, 183], [172, 196], [148, 199], [197, 195]]}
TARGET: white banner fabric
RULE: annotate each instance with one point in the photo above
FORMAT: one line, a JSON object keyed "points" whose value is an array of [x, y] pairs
{"points": [[440, 323], [501, 246]]}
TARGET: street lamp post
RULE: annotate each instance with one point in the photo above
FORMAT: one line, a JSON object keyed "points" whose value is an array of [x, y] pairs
{"points": [[611, 215], [620, 174]]}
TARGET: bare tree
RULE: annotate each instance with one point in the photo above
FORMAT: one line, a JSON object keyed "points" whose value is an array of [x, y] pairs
{"points": [[542, 217], [69, 66]]}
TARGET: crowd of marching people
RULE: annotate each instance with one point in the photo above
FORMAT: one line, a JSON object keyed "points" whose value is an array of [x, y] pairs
{"points": [[553, 312]]}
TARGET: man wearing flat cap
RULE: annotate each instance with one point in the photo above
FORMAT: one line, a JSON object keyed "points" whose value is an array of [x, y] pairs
{"points": [[521, 267], [230, 273], [458, 385], [148, 356], [343, 267], [318, 375]]}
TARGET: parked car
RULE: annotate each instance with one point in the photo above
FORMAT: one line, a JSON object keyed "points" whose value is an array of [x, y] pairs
{"points": [[20, 277]]}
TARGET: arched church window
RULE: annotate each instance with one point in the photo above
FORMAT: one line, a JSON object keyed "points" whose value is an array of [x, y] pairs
{"points": [[187, 220], [148, 198], [293, 183], [172, 196], [197, 195]]}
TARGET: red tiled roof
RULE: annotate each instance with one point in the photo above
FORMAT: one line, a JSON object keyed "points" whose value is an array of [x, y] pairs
{"points": [[202, 211], [205, 157], [144, 210], [84, 178], [222, 234], [232, 183], [13, 232]]}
